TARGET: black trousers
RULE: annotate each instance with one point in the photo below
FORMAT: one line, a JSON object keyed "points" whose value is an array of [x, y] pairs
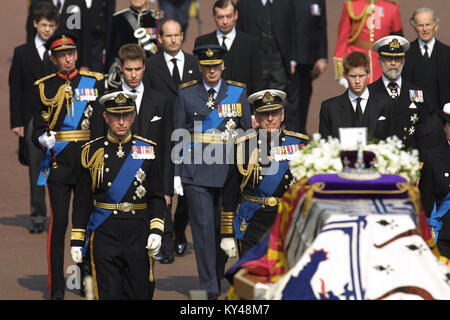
{"points": [[274, 73], [181, 220], [259, 225], [167, 244], [119, 260], [299, 97], [60, 195]]}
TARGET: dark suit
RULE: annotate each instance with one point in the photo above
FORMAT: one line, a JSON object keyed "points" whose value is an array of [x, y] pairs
{"points": [[274, 26], [338, 113], [434, 76], [312, 45], [434, 186], [243, 60], [73, 21], [408, 119], [26, 68], [203, 182], [157, 75]]}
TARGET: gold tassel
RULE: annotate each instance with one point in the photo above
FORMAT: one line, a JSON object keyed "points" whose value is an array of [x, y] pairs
{"points": [[55, 104], [95, 164]]}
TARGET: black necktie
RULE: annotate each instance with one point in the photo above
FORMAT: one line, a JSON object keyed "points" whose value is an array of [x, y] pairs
{"points": [[393, 87], [223, 41], [359, 112], [211, 92], [426, 55], [175, 72], [133, 90], [58, 6]]}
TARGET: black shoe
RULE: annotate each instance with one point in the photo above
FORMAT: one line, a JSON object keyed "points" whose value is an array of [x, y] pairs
{"points": [[180, 248], [167, 258], [212, 296], [58, 295], [37, 227]]}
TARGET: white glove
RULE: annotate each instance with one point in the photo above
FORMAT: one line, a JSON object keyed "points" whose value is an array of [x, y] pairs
{"points": [[47, 141], [229, 246], [177, 186], [153, 244], [77, 256], [343, 82]]}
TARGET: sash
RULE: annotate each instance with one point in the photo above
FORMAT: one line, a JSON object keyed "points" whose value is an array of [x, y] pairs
{"points": [[116, 192], [265, 189], [435, 219], [213, 120], [70, 123]]}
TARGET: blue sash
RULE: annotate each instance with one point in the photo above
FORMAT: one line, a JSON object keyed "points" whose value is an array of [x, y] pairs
{"points": [[116, 192], [70, 123], [435, 219], [265, 189]]}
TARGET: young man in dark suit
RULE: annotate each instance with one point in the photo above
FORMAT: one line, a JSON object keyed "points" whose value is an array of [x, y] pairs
{"points": [[165, 72], [243, 60], [410, 105], [273, 23], [30, 63], [358, 106]]}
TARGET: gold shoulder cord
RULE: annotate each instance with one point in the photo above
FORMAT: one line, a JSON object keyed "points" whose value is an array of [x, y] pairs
{"points": [[362, 17], [253, 166], [95, 164], [64, 93]]}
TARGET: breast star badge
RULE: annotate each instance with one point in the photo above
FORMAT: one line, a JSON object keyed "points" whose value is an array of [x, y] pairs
{"points": [[210, 103], [120, 152]]}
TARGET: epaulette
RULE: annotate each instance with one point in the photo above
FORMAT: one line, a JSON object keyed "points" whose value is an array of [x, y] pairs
{"points": [[44, 78], [121, 11], [246, 137], [188, 84], [97, 75], [144, 139], [295, 134], [237, 84], [84, 145]]}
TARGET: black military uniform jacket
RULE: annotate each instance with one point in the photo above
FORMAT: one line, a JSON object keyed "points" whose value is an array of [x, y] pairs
{"points": [[68, 159], [102, 159], [409, 114], [434, 183], [248, 171]]}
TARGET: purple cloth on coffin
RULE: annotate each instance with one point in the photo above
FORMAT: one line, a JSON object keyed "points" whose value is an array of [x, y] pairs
{"points": [[331, 186]]}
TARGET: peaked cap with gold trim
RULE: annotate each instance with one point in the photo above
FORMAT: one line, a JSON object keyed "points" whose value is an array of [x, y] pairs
{"points": [[267, 100], [119, 102], [210, 54], [61, 41], [391, 46]]}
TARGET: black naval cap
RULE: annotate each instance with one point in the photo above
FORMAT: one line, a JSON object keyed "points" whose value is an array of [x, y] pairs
{"points": [[209, 55], [119, 102], [61, 41], [391, 46], [267, 100]]}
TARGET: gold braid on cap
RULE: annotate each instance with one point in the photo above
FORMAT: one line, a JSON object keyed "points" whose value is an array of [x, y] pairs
{"points": [[95, 164], [55, 104], [253, 166]]}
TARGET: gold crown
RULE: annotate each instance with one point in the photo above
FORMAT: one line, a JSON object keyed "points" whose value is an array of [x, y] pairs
{"points": [[209, 53], [63, 39], [120, 98], [394, 44], [268, 98]]}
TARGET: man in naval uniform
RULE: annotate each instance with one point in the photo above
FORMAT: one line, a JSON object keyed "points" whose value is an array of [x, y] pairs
{"points": [[124, 231], [208, 112], [61, 126], [409, 112], [259, 175]]}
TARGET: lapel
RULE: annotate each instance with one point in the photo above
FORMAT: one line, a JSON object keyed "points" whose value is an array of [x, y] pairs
{"points": [[35, 63], [222, 91], [147, 109], [163, 71], [259, 8], [346, 110], [188, 68], [373, 109]]}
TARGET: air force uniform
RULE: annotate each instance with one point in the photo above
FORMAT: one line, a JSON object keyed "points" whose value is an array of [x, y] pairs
{"points": [[209, 120]]}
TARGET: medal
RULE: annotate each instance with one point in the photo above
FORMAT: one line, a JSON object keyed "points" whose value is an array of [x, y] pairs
{"points": [[120, 152]]}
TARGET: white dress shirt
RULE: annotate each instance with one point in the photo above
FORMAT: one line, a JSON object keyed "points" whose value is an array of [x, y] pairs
{"points": [[40, 46], [265, 1], [180, 62], [229, 37], [216, 87], [364, 98], [430, 45], [139, 91]]}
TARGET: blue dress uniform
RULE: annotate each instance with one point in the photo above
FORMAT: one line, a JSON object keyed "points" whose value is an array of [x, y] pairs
{"points": [[258, 178], [67, 103], [210, 121], [129, 205]]}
